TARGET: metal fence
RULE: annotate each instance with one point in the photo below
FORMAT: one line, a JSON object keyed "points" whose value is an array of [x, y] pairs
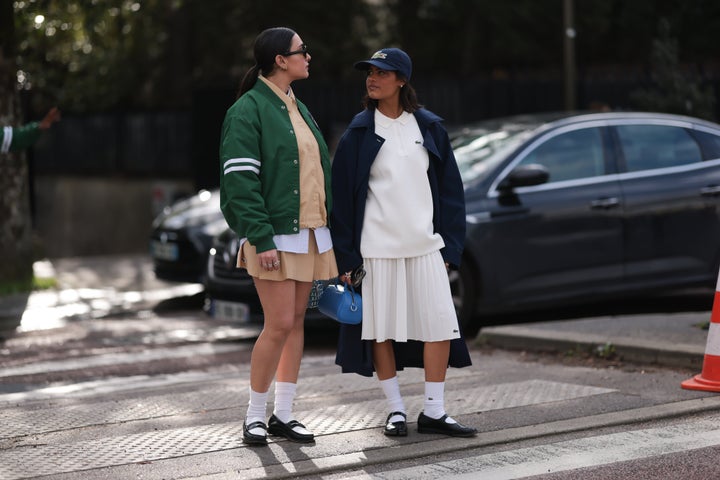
{"points": [[133, 144], [185, 143]]}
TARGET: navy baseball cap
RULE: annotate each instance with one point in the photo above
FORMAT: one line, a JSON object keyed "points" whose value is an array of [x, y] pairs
{"points": [[391, 59]]}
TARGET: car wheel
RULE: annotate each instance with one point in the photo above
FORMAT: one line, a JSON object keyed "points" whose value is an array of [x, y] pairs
{"points": [[462, 288]]}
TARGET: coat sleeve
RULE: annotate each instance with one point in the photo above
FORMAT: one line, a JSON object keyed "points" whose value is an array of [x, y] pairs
{"points": [[452, 201], [241, 197], [342, 218], [15, 139]]}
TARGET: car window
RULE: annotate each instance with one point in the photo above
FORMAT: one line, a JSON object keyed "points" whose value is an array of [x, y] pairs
{"points": [[647, 147], [570, 155], [477, 153], [710, 144]]}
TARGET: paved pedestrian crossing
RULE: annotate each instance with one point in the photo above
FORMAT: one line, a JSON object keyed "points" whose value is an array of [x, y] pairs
{"points": [[566, 456]]}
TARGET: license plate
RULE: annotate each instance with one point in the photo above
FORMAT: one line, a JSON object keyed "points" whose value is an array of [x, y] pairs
{"points": [[235, 312], [164, 251]]}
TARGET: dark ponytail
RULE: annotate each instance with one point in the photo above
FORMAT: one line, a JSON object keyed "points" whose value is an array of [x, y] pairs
{"points": [[248, 80], [269, 44]]}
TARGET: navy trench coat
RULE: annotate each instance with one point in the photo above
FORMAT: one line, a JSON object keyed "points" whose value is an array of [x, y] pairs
{"points": [[354, 156]]}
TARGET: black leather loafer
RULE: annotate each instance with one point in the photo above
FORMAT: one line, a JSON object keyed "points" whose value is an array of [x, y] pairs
{"points": [[396, 429], [252, 438], [431, 425], [280, 429]]}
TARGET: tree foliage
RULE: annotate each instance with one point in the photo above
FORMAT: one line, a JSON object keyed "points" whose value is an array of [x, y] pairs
{"points": [[110, 54], [479, 36], [100, 54]]}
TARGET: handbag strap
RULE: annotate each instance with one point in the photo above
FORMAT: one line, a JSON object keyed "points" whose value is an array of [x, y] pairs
{"points": [[348, 287]]}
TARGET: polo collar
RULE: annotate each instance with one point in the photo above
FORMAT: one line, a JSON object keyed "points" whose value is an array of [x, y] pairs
{"points": [[385, 121]]}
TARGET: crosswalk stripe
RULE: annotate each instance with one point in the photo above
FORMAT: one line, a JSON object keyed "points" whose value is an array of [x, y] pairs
{"points": [[569, 455]]}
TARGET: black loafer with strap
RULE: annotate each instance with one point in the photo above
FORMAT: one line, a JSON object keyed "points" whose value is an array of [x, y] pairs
{"points": [[396, 429], [431, 425], [253, 438], [281, 429]]}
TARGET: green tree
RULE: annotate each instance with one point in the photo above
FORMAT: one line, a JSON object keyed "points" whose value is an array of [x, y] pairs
{"points": [[15, 226], [97, 54], [89, 55]]}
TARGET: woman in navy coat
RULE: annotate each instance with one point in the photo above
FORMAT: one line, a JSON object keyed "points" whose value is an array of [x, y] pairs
{"points": [[399, 215]]}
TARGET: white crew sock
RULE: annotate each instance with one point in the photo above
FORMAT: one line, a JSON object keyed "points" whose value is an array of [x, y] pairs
{"points": [[284, 396], [391, 388], [435, 401], [256, 411]]}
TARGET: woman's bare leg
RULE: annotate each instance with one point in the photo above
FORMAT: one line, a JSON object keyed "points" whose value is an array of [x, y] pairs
{"points": [[435, 358], [279, 347], [289, 365], [384, 359]]}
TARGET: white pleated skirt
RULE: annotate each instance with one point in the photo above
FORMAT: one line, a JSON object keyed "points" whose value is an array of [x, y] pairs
{"points": [[408, 299]]}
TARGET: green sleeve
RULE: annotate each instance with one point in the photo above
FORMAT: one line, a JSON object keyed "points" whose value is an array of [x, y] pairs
{"points": [[241, 198], [14, 139]]}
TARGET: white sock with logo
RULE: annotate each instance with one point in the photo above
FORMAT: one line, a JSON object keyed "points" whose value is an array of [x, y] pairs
{"points": [[435, 401]]}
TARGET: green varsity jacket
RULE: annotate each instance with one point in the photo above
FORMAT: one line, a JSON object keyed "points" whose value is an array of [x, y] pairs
{"points": [[260, 168]]}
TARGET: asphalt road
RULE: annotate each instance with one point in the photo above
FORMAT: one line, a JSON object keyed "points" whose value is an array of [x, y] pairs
{"points": [[136, 388], [108, 383]]}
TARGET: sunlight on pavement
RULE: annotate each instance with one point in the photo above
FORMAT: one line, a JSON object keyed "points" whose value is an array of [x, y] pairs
{"points": [[55, 309]]}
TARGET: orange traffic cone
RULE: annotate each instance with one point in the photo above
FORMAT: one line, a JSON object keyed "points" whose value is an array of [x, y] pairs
{"points": [[709, 379]]}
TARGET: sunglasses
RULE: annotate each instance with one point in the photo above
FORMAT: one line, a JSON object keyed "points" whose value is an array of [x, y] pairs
{"points": [[303, 50]]}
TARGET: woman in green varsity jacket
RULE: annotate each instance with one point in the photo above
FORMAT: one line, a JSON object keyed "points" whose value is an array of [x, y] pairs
{"points": [[275, 194], [14, 139]]}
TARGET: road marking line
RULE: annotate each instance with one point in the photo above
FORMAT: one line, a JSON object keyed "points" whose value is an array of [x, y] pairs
{"points": [[571, 455]]}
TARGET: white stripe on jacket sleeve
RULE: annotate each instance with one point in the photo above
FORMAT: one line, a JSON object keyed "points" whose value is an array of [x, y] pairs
{"points": [[7, 139], [241, 164]]}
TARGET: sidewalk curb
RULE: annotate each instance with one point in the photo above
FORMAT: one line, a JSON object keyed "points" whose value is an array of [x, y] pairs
{"points": [[382, 456], [649, 352]]}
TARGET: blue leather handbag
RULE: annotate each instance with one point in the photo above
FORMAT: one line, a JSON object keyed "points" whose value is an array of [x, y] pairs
{"points": [[341, 303]]}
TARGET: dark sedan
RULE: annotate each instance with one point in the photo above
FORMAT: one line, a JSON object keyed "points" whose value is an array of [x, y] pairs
{"points": [[567, 208], [182, 236], [230, 291]]}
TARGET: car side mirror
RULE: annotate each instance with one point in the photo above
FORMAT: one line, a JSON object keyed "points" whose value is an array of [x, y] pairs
{"points": [[525, 176]]}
